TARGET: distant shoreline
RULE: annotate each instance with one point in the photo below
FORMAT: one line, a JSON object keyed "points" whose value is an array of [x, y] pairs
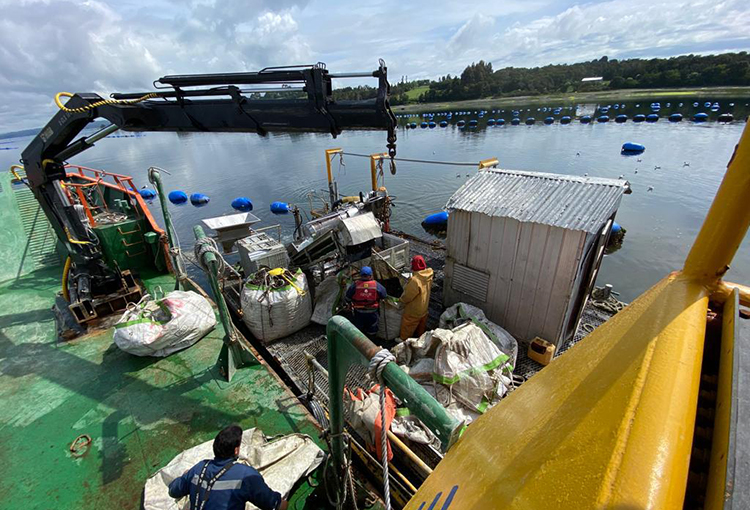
{"points": [[583, 97]]}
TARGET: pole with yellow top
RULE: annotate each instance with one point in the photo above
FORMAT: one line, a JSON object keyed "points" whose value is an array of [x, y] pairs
{"points": [[374, 158], [331, 186]]}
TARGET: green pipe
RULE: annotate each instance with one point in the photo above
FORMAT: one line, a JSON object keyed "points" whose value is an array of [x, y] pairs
{"points": [[233, 355], [348, 346], [179, 267]]}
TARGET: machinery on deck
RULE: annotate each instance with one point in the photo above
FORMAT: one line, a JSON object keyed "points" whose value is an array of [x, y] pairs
{"points": [[183, 103]]}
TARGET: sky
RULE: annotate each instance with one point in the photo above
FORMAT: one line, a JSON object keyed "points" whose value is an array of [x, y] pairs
{"points": [[47, 46]]}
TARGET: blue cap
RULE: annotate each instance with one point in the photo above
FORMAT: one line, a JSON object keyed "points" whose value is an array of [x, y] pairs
{"points": [[366, 271]]}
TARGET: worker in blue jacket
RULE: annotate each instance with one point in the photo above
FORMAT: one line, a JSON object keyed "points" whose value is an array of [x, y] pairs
{"points": [[365, 295], [223, 483]]}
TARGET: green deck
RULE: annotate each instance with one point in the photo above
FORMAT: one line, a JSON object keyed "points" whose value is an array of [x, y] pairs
{"points": [[139, 412]]}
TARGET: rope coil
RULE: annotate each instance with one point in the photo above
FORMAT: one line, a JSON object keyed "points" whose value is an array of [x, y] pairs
{"points": [[375, 370], [88, 107]]}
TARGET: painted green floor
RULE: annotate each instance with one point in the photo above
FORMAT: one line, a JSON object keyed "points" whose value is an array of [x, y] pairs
{"points": [[140, 412]]}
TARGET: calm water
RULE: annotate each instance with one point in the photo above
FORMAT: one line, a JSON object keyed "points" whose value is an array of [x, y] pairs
{"points": [[684, 163]]}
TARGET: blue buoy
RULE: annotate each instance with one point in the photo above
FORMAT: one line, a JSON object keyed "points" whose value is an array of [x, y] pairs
{"points": [[177, 197], [423, 125], [639, 117], [440, 218], [147, 194], [565, 119], [443, 123], [549, 120], [490, 122], [616, 228], [621, 118], [243, 204], [707, 104], [675, 117], [280, 207], [652, 117], [669, 104], [585, 119], [515, 121], [500, 122], [432, 124], [199, 199], [695, 105], [632, 148], [602, 118], [473, 122], [461, 123], [413, 125], [530, 121], [700, 117]]}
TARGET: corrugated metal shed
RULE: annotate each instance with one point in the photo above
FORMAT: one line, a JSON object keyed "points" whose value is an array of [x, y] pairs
{"points": [[565, 201], [525, 247]]}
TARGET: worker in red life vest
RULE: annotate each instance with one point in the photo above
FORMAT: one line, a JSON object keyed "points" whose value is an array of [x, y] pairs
{"points": [[365, 295]]}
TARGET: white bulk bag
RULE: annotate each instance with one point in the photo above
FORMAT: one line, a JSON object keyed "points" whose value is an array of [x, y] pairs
{"points": [[275, 313], [281, 461], [472, 366], [461, 313], [389, 321], [159, 327]]}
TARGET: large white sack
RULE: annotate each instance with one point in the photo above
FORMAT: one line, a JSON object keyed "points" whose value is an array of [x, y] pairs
{"points": [[389, 322], [161, 327], [471, 365], [282, 462], [327, 296], [275, 313], [461, 313]]}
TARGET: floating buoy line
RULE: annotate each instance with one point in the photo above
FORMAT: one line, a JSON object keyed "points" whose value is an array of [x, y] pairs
{"points": [[556, 115]]}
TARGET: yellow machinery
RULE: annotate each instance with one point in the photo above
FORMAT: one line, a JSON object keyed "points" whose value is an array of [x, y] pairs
{"points": [[612, 424]]}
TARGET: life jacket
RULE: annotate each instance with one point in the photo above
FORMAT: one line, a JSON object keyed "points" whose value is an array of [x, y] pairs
{"points": [[365, 294]]}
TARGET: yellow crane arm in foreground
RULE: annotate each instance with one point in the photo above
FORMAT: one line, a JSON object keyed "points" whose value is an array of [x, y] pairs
{"points": [[610, 424]]}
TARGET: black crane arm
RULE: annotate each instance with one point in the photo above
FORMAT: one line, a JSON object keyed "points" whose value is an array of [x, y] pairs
{"points": [[189, 103]]}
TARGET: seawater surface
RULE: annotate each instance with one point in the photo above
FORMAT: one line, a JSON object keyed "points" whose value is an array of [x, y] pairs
{"points": [[673, 181]]}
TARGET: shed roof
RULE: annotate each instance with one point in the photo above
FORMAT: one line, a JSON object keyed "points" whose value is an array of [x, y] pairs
{"points": [[566, 201]]}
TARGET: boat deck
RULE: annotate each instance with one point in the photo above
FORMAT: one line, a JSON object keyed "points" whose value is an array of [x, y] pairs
{"points": [[138, 412]]}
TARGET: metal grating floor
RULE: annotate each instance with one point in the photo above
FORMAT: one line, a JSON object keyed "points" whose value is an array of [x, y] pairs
{"points": [[291, 354], [591, 318]]}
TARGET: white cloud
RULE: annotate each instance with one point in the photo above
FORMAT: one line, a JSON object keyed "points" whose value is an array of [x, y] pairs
{"points": [[104, 46], [472, 35], [621, 29]]}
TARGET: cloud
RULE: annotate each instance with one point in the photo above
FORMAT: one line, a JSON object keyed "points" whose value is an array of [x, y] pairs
{"points": [[621, 29], [472, 35], [105, 46], [49, 46]]}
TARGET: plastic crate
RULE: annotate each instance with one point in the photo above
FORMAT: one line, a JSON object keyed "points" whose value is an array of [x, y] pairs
{"points": [[260, 250]]}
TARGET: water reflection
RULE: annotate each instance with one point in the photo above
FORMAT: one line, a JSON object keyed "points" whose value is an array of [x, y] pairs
{"points": [[673, 181]]}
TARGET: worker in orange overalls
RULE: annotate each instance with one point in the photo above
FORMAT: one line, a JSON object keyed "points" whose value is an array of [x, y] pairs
{"points": [[416, 299]]}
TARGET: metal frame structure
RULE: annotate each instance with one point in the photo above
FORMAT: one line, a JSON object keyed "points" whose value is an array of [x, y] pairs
{"points": [[186, 103]]}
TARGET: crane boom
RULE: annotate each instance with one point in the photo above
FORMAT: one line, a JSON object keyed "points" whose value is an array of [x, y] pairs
{"points": [[187, 103]]}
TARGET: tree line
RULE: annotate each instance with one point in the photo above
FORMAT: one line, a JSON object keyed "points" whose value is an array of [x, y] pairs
{"points": [[479, 80]]}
